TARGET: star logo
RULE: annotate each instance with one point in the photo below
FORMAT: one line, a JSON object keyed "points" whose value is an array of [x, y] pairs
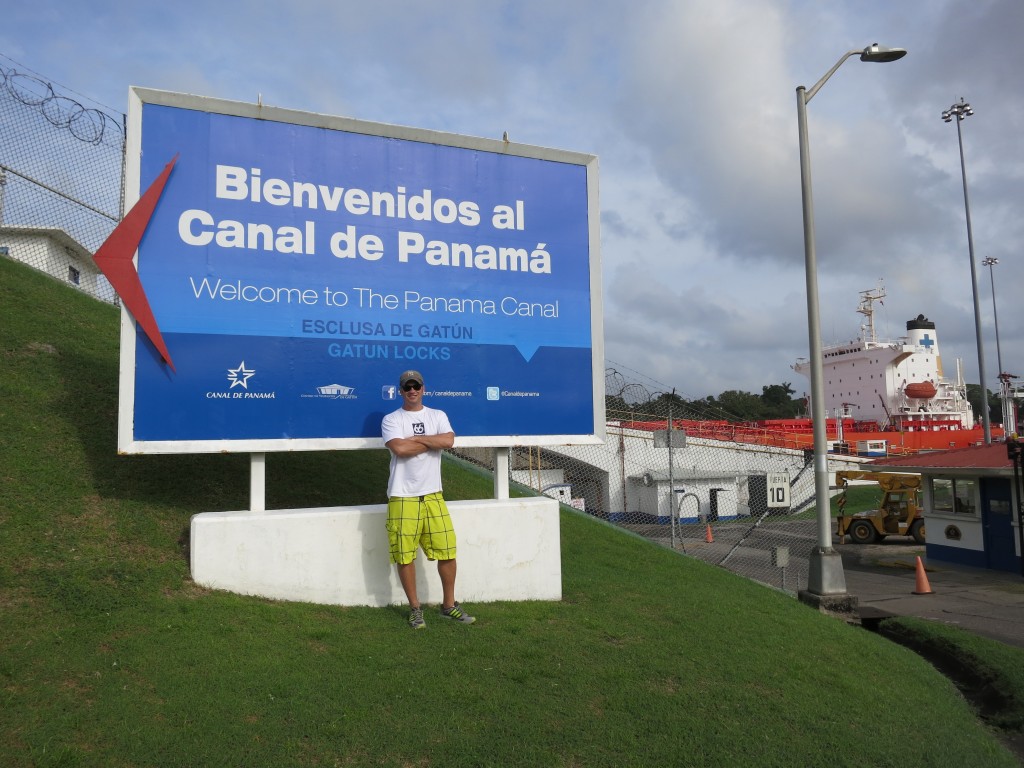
{"points": [[239, 377]]}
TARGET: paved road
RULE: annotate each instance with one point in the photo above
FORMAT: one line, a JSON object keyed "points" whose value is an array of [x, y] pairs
{"points": [[883, 577]]}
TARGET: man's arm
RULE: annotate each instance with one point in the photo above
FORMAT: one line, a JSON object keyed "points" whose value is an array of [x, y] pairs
{"points": [[440, 442], [405, 447]]}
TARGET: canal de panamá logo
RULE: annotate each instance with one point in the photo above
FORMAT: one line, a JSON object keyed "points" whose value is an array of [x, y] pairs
{"points": [[239, 379]]}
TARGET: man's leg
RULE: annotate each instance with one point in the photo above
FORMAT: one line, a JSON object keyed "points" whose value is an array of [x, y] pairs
{"points": [[446, 570], [449, 608], [407, 575]]}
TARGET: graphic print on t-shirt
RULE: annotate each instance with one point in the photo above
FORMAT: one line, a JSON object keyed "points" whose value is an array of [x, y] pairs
{"points": [[418, 429]]}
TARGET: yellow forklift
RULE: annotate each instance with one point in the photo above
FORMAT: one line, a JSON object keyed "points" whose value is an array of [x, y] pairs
{"points": [[899, 513]]}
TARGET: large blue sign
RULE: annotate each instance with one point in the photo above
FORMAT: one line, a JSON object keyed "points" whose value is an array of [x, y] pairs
{"points": [[296, 264]]}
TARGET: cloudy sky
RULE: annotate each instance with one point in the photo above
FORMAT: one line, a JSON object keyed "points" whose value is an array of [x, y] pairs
{"points": [[691, 108]]}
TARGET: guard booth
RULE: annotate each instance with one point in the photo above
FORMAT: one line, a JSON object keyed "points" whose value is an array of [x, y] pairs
{"points": [[971, 509]]}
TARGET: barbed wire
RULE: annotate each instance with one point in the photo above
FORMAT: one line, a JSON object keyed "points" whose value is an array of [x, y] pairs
{"points": [[87, 124], [61, 178], [634, 393], [651, 385]]}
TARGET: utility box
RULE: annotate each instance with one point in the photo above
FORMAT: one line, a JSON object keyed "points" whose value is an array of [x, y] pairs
{"points": [[661, 438], [780, 557]]}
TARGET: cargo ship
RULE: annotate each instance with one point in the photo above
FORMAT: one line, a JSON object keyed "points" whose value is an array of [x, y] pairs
{"points": [[891, 396], [882, 398]]}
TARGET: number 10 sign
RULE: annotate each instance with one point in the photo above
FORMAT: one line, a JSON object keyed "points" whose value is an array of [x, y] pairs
{"points": [[778, 490]]}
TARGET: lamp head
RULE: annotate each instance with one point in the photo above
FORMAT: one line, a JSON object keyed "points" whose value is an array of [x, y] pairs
{"points": [[881, 53], [960, 111]]}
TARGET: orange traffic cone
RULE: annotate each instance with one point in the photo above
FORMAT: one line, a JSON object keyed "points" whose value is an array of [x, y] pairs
{"points": [[707, 535], [922, 586]]}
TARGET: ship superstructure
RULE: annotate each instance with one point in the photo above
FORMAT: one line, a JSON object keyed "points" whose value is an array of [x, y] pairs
{"points": [[898, 385]]}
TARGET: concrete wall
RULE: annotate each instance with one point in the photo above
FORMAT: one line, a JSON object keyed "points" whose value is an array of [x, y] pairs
{"points": [[628, 454], [507, 550]]}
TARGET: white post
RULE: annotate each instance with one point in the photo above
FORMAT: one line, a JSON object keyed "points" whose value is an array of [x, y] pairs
{"points": [[501, 473], [257, 482]]}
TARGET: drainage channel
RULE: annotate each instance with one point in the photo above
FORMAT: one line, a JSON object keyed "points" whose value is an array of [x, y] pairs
{"points": [[976, 687]]}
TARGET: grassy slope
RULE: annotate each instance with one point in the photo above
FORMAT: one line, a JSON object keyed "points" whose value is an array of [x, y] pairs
{"points": [[111, 656]]}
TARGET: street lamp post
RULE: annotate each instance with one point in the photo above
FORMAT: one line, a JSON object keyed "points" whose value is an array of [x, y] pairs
{"points": [[990, 262], [961, 111], [1005, 399], [825, 575]]}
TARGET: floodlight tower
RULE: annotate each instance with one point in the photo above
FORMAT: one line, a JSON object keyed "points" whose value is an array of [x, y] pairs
{"points": [[961, 111]]}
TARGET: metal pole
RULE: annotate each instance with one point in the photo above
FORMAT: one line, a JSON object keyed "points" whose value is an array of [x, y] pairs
{"points": [[671, 477], [1005, 400], [825, 567], [991, 262], [974, 287], [825, 574]]}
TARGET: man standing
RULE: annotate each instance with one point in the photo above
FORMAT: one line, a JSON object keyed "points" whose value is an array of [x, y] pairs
{"points": [[417, 513]]}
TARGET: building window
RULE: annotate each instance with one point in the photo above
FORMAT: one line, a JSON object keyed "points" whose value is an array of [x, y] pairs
{"points": [[951, 496], [74, 276]]}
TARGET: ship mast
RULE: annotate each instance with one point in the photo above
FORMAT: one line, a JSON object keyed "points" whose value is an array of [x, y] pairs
{"points": [[866, 308]]}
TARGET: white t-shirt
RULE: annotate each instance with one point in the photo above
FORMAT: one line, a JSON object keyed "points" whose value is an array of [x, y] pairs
{"points": [[415, 475]]}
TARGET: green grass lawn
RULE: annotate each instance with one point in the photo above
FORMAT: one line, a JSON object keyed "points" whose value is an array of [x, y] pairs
{"points": [[995, 670], [111, 656]]}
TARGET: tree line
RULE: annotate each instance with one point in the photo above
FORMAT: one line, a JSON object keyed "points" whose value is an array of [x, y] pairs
{"points": [[776, 401]]}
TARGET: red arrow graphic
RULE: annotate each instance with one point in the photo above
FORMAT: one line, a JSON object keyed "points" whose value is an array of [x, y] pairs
{"points": [[114, 258]]}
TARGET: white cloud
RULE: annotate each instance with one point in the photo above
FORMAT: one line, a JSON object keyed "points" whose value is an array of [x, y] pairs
{"points": [[691, 109]]}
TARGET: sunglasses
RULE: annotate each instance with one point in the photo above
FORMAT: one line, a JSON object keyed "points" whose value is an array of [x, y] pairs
{"points": [[411, 386]]}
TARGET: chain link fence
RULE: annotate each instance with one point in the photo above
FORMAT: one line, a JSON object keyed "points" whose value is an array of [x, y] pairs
{"points": [[61, 176]]}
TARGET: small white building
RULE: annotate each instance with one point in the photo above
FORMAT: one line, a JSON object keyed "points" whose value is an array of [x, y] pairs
{"points": [[54, 252]]}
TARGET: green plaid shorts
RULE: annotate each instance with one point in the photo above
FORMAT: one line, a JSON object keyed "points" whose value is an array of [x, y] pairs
{"points": [[419, 521]]}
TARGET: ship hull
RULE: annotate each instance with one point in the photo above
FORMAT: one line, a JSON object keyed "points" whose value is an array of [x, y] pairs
{"points": [[798, 434]]}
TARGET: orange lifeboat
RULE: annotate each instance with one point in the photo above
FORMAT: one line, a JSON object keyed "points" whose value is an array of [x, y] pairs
{"points": [[921, 390]]}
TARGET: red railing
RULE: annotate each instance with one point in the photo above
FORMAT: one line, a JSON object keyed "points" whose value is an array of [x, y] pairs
{"points": [[798, 434]]}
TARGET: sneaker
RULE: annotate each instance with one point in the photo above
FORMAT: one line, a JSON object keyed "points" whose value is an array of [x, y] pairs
{"points": [[456, 613], [416, 619]]}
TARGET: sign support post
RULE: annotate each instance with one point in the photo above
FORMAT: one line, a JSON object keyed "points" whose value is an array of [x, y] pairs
{"points": [[501, 460], [257, 482]]}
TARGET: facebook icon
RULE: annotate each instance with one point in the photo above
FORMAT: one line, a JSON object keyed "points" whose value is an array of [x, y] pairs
{"points": [[388, 391]]}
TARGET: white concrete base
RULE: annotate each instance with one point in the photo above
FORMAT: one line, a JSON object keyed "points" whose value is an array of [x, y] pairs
{"points": [[508, 549]]}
